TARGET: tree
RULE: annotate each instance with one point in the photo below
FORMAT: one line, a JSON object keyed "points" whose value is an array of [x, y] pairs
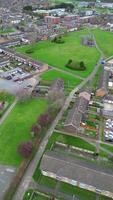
{"points": [[25, 149], [44, 120], [35, 129], [23, 94], [27, 8], [82, 65], [54, 95]]}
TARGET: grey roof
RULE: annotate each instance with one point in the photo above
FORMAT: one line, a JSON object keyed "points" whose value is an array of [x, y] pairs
{"points": [[109, 97], [22, 56], [103, 79], [76, 114], [67, 167]]}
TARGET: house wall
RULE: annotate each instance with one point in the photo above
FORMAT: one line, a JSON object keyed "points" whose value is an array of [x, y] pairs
{"points": [[76, 183]]}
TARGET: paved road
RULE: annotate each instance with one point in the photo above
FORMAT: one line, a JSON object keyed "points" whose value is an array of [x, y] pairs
{"points": [[8, 111], [28, 175]]}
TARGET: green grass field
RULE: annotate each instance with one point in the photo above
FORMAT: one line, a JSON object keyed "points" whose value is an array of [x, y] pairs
{"points": [[107, 147], [16, 129], [82, 194], [70, 140], [105, 41], [69, 81], [6, 97], [57, 55], [35, 196]]}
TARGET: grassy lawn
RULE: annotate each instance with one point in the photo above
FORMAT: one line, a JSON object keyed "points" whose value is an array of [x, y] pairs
{"points": [[6, 97], [57, 55], [35, 196], [70, 140], [105, 41], [90, 133], [69, 81], [16, 129], [107, 147], [49, 182], [82, 194]]}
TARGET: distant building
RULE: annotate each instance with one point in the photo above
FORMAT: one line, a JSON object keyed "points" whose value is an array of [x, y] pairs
{"points": [[52, 19]]}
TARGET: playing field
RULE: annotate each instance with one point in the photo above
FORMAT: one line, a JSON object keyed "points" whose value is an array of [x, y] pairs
{"points": [[105, 41], [16, 129], [57, 55]]}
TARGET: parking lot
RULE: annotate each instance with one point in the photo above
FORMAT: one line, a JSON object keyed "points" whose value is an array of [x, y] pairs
{"points": [[108, 132], [6, 175]]}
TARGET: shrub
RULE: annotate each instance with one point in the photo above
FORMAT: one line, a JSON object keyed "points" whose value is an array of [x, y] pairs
{"points": [[44, 120], [29, 51], [35, 129], [25, 149], [75, 66], [58, 40]]}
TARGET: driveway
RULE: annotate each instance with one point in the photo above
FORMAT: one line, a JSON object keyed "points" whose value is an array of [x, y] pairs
{"points": [[14, 87], [6, 175]]}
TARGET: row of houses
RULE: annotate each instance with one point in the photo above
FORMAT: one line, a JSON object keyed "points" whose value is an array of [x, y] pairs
{"points": [[4, 62], [24, 59], [67, 169]]}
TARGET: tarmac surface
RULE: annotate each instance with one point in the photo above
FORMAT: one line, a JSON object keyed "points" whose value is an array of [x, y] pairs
{"points": [[6, 175]]}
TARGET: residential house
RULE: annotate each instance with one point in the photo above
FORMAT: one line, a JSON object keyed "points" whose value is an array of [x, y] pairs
{"points": [[77, 114], [103, 83], [67, 169]]}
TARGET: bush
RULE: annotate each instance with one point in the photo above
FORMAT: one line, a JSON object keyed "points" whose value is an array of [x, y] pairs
{"points": [[25, 149], [44, 120], [35, 129], [29, 51], [75, 66], [58, 40]]}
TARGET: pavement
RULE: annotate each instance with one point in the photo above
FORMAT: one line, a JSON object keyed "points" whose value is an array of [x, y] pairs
{"points": [[15, 88], [68, 73], [6, 175], [9, 86]]}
